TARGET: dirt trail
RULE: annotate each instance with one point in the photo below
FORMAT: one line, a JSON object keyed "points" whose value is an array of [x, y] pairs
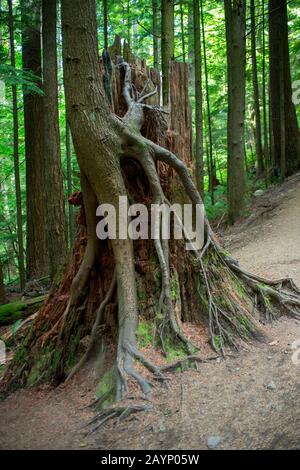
{"points": [[249, 401]]}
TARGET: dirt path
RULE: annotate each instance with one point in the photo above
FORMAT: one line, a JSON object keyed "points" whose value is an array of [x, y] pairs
{"points": [[249, 401]]}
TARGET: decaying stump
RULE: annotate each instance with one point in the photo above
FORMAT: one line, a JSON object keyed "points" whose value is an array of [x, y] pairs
{"points": [[97, 297]]}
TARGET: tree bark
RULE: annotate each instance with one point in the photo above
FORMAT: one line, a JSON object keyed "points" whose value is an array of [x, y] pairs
{"points": [[211, 163], [21, 261], [198, 96], [182, 30], [167, 45], [285, 132], [105, 23], [37, 246], [155, 34], [56, 221], [235, 16], [72, 222], [256, 97], [264, 96]]}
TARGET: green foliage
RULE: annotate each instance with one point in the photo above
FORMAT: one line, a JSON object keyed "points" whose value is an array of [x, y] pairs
{"points": [[144, 334]]}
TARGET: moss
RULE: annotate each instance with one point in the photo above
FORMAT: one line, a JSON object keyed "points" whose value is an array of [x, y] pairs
{"points": [[175, 288], [72, 349], [144, 334], [41, 369], [11, 312], [218, 342], [106, 388], [174, 352], [15, 310]]}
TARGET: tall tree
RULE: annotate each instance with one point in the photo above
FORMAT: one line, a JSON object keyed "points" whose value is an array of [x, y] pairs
{"points": [[37, 247], [235, 18], [285, 132], [191, 43], [105, 23], [198, 96], [264, 94], [56, 221], [2, 287], [211, 164], [155, 34], [256, 95], [21, 261], [72, 223], [167, 44], [182, 30]]}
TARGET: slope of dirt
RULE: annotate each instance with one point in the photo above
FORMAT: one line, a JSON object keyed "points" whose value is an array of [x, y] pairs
{"points": [[250, 401]]}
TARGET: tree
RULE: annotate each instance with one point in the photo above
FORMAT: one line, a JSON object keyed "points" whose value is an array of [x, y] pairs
{"points": [[155, 34], [105, 23], [167, 45], [72, 222], [235, 18], [286, 140], [56, 221], [37, 247], [256, 97], [182, 30], [2, 287], [105, 145], [264, 93], [198, 95], [21, 261]]}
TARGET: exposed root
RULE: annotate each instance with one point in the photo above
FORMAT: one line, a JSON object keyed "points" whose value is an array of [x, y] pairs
{"points": [[97, 322], [186, 362], [119, 413]]}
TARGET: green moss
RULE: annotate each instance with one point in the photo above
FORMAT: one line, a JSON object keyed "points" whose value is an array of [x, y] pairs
{"points": [[175, 289], [218, 342], [41, 369], [174, 352], [107, 387], [144, 334], [11, 312]]}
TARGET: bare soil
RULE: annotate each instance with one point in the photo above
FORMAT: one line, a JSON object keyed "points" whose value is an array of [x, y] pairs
{"points": [[250, 400]]}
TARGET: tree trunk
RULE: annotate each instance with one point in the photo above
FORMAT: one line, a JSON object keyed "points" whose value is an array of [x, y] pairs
{"points": [[56, 221], [72, 222], [264, 96], [286, 140], [105, 23], [191, 44], [37, 248], [167, 45], [21, 261], [2, 287], [256, 98], [211, 163], [155, 34], [182, 30], [198, 96], [235, 15], [157, 281]]}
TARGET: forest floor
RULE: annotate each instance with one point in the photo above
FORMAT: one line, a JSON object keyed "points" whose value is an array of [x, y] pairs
{"points": [[249, 401]]}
